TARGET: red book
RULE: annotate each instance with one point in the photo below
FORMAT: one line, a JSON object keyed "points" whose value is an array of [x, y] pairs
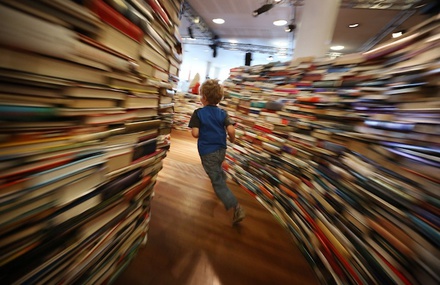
{"points": [[262, 128], [160, 12], [248, 191], [115, 19], [132, 192]]}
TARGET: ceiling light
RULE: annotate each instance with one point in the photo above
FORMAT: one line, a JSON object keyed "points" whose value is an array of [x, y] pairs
{"points": [[397, 34], [354, 25], [337, 47], [277, 1], [218, 21], [262, 9], [279, 22], [281, 44], [282, 53], [196, 20]]}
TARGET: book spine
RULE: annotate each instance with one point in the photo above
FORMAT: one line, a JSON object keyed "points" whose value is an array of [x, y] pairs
{"points": [[23, 31], [163, 16], [103, 57], [115, 19]]}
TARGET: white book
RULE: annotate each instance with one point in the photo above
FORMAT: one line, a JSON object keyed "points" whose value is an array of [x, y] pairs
{"points": [[57, 173], [51, 67], [78, 188], [27, 32]]}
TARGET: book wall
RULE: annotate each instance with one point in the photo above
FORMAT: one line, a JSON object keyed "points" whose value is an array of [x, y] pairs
{"points": [[85, 110], [167, 114], [345, 154], [185, 105]]}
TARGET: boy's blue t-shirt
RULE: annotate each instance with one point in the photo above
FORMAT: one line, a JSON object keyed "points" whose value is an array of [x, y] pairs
{"points": [[212, 122]]}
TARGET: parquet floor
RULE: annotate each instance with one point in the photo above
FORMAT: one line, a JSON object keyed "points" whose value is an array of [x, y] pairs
{"points": [[191, 240]]}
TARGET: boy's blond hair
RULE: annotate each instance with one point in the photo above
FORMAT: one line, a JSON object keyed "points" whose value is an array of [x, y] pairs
{"points": [[212, 91]]}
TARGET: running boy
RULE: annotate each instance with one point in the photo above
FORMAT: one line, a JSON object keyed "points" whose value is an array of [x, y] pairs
{"points": [[210, 125]]}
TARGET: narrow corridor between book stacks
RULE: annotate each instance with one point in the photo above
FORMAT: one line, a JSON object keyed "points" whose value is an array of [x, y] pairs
{"points": [[191, 240]]}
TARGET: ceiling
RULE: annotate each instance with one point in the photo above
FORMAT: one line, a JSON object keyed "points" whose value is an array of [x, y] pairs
{"points": [[376, 23], [377, 20]]}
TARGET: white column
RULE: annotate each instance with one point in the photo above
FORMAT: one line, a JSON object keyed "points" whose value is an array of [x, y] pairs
{"points": [[315, 31], [216, 72]]}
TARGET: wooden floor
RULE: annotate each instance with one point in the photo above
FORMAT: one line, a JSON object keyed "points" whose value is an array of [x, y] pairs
{"points": [[192, 242]]}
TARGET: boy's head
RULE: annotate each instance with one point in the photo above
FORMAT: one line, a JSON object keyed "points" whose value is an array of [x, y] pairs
{"points": [[211, 91]]}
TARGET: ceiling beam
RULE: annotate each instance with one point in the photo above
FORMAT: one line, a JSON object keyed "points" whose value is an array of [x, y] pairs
{"points": [[196, 21], [386, 30], [191, 15], [240, 46], [368, 4]]}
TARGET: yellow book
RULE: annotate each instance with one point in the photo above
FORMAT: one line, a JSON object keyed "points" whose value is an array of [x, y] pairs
{"points": [[27, 146]]}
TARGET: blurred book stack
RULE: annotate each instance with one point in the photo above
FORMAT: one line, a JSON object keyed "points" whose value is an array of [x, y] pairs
{"points": [[345, 153], [185, 105], [166, 113], [81, 134]]}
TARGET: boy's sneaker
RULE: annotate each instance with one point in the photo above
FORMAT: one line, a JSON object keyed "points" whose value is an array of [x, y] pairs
{"points": [[238, 215]]}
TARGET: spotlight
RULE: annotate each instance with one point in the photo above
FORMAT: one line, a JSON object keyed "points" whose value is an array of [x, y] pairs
{"points": [[190, 33], [214, 46], [214, 50], [290, 28], [262, 9]]}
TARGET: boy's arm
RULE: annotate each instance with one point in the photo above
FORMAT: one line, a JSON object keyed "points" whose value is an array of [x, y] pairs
{"points": [[231, 133], [230, 129], [195, 132], [194, 124]]}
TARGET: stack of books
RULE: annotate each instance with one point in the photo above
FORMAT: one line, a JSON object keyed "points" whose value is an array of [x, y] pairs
{"points": [[86, 106], [345, 153], [167, 113], [185, 105]]}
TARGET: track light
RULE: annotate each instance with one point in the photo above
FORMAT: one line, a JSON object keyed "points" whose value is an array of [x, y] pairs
{"points": [[262, 9], [290, 28]]}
